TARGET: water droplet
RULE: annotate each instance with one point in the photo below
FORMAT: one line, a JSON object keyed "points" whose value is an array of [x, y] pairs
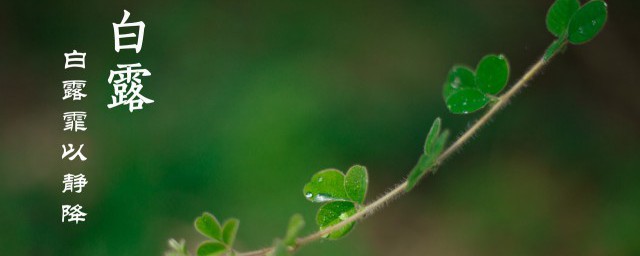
{"points": [[322, 198]]}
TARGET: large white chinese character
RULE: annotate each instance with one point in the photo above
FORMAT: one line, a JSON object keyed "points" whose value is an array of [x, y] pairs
{"points": [[127, 87], [74, 121], [74, 59], [117, 36], [74, 183], [73, 213], [71, 150], [73, 88]]}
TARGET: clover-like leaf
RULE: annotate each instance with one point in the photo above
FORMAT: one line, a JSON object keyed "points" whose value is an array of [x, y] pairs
{"points": [[208, 225], [587, 22], [334, 212], [356, 182], [466, 101], [560, 15], [492, 74], [229, 231], [326, 186], [466, 91], [211, 248], [434, 131], [459, 77], [296, 223]]}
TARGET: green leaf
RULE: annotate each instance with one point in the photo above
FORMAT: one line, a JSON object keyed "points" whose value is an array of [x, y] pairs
{"points": [[466, 101], [587, 22], [459, 77], [296, 223], [326, 186], [333, 213], [211, 248], [209, 226], [432, 136], [279, 249], [427, 162], [229, 231], [356, 182], [440, 144], [424, 163], [492, 74], [560, 15]]}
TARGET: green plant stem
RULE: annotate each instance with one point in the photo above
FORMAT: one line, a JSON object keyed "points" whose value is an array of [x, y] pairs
{"points": [[399, 190]]}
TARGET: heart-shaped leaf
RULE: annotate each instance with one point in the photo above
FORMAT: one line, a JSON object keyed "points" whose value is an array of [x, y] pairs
{"points": [[211, 248], [560, 15], [587, 22], [459, 77], [229, 231], [434, 131], [296, 223], [492, 74], [209, 226], [466, 101], [326, 186], [333, 213], [356, 182]]}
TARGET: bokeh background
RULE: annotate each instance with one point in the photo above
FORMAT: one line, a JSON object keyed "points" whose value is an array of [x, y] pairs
{"points": [[254, 97]]}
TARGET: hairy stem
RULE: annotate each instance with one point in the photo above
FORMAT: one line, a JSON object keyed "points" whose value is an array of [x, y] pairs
{"points": [[399, 190]]}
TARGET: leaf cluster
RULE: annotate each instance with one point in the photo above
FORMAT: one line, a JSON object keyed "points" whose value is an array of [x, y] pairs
{"points": [[342, 196], [572, 23], [220, 238], [466, 91]]}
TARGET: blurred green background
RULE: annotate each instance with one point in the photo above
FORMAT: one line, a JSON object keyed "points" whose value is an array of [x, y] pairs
{"points": [[254, 97]]}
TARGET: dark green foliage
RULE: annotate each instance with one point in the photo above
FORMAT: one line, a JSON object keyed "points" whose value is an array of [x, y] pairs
{"points": [[343, 195], [466, 91]]}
